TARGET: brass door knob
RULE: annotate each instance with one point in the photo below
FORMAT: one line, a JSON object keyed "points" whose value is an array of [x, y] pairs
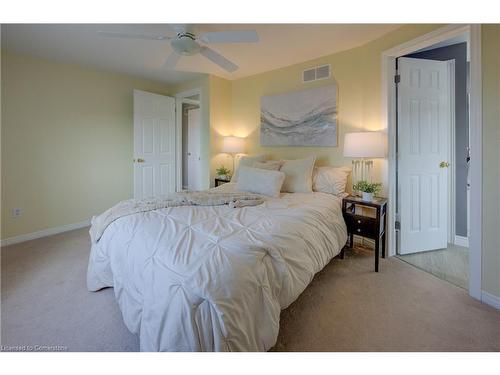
{"points": [[139, 160], [444, 164]]}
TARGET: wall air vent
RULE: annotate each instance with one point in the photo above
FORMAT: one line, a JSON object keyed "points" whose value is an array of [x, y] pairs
{"points": [[323, 72], [309, 75], [316, 73]]}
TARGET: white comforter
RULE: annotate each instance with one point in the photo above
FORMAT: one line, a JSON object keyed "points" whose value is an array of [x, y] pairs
{"points": [[215, 278]]}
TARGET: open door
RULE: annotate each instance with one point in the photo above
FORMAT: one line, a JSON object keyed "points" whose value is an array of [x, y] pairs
{"points": [[423, 154], [154, 144], [194, 145]]}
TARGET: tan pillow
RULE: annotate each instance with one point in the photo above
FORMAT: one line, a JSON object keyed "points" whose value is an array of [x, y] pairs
{"points": [[246, 161], [331, 180], [298, 175], [271, 165]]}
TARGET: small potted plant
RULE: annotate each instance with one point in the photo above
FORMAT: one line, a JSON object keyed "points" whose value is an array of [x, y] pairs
{"points": [[369, 189], [223, 173]]}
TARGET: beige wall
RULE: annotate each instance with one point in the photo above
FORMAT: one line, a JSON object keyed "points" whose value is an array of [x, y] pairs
{"points": [[66, 142], [491, 157], [358, 75], [221, 120]]}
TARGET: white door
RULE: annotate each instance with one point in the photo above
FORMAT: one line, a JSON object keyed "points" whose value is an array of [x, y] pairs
{"points": [[194, 149], [423, 154], [154, 144]]}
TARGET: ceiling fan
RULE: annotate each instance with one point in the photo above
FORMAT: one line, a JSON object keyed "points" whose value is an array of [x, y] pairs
{"points": [[186, 43]]}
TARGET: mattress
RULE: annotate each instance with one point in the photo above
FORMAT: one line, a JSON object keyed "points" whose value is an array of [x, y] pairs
{"points": [[215, 278]]}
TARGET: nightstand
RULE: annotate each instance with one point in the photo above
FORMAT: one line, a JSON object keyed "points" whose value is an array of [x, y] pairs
{"points": [[355, 211], [219, 182]]}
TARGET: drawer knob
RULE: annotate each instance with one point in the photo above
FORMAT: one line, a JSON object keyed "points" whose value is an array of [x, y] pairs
{"points": [[359, 221], [359, 230]]}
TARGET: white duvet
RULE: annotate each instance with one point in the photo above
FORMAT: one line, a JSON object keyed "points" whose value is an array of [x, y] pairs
{"points": [[215, 278]]}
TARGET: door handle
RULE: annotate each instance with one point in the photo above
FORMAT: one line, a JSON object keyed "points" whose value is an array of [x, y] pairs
{"points": [[139, 160], [444, 164]]}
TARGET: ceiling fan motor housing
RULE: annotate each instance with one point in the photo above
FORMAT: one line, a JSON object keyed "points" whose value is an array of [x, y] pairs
{"points": [[185, 44]]}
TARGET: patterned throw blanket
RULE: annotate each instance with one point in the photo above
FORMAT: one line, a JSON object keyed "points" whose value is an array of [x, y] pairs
{"points": [[184, 198]]}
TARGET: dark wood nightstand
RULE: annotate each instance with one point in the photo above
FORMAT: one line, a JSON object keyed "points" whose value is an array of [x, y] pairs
{"points": [[219, 182], [361, 224]]}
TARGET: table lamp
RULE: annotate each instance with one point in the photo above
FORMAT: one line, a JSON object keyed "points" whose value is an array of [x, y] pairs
{"points": [[233, 146], [364, 146]]}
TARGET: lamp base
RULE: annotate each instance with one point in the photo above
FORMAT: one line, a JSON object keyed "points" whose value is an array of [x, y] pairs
{"points": [[361, 171]]}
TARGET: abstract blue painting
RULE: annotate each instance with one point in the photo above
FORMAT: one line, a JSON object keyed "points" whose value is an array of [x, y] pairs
{"points": [[300, 118]]}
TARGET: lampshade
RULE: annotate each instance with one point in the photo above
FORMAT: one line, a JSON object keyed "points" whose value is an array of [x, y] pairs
{"points": [[233, 145], [364, 145]]}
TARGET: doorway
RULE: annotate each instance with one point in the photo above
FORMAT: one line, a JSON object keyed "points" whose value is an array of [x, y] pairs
{"points": [[191, 143], [433, 156], [389, 113]]}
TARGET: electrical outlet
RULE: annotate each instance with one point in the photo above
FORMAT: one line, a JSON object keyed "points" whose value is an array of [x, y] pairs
{"points": [[16, 212]]}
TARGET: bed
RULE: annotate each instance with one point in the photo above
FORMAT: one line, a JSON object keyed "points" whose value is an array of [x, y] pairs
{"points": [[215, 278]]}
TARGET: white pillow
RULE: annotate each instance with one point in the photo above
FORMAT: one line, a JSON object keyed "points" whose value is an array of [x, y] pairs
{"points": [[260, 181], [298, 175], [246, 161], [332, 180]]}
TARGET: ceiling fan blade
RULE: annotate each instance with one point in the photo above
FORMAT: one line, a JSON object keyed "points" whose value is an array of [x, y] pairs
{"points": [[218, 59], [232, 36], [171, 60], [109, 34]]}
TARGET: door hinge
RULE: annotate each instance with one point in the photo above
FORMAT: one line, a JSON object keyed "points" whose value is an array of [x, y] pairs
{"points": [[397, 225], [397, 78]]}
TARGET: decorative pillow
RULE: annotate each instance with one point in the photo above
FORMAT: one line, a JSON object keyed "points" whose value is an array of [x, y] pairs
{"points": [[260, 181], [298, 175], [272, 165], [246, 161], [332, 180]]}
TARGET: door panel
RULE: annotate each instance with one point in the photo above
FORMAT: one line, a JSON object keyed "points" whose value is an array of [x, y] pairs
{"points": [[423, 143], [166, 175], [154, 144]]}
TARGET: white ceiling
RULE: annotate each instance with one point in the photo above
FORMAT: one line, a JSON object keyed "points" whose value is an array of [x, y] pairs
{"points": [[280, 45]]}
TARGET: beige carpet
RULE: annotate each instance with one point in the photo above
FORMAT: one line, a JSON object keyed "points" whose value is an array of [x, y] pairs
{"points": [[347, 307], [450, 264]]}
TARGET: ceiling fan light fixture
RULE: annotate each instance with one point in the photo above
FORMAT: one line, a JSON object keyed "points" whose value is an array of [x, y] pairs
{"points": [[185, 45]]}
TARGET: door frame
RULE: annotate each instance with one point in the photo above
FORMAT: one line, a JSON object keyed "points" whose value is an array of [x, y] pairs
{"points": [[475, 128], [452, 173], [180, 98]]}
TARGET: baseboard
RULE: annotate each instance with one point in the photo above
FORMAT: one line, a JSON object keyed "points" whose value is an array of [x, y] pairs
{"points": [[490, 299], [43, 233], [461, 241]]}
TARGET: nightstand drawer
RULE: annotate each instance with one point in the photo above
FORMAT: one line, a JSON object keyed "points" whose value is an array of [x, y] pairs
{"points": [[362, 225], [219, 182]]}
